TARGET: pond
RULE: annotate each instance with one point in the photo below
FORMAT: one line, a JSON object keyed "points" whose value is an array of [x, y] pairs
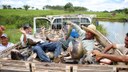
{"points": [[116, 31]]}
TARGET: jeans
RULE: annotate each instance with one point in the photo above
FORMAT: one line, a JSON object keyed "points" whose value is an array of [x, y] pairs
{"points": [[52, 47]]}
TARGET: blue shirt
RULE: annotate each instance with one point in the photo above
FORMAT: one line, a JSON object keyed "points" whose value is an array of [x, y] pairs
{"points": [[74, 33]]}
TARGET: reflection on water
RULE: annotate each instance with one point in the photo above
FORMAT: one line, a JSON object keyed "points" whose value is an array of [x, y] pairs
{"points": [[116, 30]]}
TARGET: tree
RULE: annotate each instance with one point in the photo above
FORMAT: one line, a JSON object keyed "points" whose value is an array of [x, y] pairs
{"points": [[4, 6], [57, 7], [48, 7], [26, 7], [43, 8], [32, 7], [14, 8], [126, 10], [77, 8], [69, 7], [19, 8], [9, 6], [105, 11], [37, 9]]}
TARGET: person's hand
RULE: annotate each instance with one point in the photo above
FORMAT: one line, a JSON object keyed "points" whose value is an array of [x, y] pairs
{"points": [[69, 23], [22, 31], [1, 31], [47, 38], [97, 54], [2, 28], [82, 26]]}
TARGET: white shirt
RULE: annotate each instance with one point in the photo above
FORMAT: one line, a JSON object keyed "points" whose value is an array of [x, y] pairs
{"points": [[5, 47], [122, 49], [30, 37]]}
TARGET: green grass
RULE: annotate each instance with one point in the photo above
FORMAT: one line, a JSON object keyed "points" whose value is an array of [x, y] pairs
{"points": [[33, 13], [13, 35]]}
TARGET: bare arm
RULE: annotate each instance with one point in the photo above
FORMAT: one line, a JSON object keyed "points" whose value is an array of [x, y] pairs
{"points": [[107, 48], [116, 58], [2, 28], [24, 37]]}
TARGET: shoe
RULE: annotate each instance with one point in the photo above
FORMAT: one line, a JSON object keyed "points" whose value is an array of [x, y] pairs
{"points": [[17, 56], [56, 59]]}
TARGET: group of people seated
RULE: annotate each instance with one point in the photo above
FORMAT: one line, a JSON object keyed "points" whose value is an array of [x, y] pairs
{"points": [[80, 48]]}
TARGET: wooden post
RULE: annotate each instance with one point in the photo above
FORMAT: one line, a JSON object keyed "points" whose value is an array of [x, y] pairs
{"points": [[0, 65], [33, 67], [115, 69], [27, 65], [71, 68], [75, 68], [33, 56], [67, 68]]}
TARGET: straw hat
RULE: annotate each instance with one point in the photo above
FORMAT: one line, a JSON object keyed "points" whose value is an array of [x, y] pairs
{"points": [[91, 28]]}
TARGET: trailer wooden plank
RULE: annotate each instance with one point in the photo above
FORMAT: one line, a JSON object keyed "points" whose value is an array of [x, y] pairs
{"points": [[25, 66], [14, 66]]}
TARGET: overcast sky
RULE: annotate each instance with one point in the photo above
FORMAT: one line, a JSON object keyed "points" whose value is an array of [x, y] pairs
{"points": [[95, 5]]}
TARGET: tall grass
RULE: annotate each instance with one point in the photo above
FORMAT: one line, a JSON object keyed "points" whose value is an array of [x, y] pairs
{"points": [[13, 35]]}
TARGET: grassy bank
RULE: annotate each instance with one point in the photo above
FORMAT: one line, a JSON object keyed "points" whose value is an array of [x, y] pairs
{"points": [[14, 19], [23, 13]]}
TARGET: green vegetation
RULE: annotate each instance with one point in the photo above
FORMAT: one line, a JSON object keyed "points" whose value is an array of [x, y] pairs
{"points": [[13, 35], [101, 29], [26, 7], [13, 19]]}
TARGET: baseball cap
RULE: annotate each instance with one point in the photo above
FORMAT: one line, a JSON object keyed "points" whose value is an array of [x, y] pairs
{"points": [[4, 35]]}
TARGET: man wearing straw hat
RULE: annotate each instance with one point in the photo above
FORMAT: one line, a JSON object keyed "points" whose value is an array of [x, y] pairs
{"points": [[87, 39]]}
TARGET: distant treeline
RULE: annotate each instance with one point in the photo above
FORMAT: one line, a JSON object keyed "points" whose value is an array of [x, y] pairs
{"points": [[76, 8], [125, 10], [67, 7]]}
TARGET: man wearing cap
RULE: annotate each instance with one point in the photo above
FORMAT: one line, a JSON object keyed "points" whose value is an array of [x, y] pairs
{"points": [[4, 42], [87, 39]]}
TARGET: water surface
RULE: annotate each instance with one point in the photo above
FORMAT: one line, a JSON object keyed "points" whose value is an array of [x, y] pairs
{"points": [[116, 30]]}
